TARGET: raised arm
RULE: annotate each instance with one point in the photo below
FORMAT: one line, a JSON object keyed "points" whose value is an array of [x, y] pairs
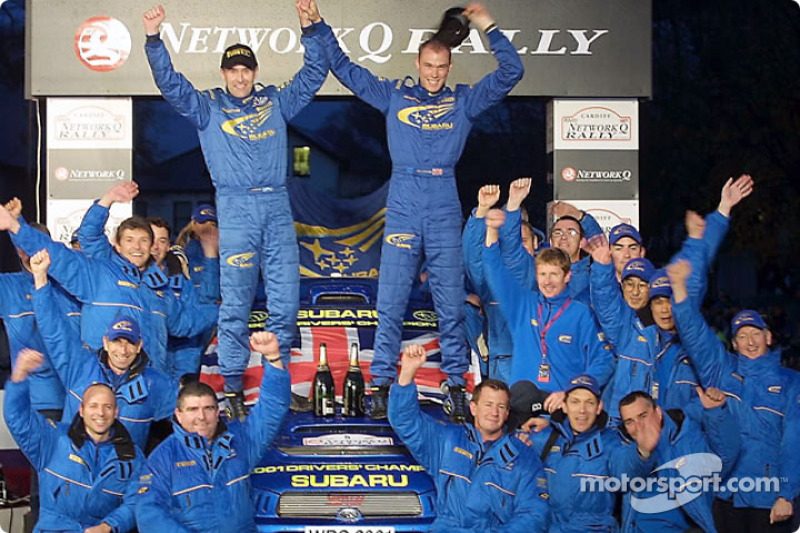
{"points": [[610, 308], [174, 87], [508, 292], [418, 431], [496, 85], [62, 341], [91, 232], [273, 398], [70, 268], [706, 351], [373, 90], [295, 95], [29, 429]]}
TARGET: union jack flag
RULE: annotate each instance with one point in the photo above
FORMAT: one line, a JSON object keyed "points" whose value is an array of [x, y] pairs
{"points": [[305, 359]]}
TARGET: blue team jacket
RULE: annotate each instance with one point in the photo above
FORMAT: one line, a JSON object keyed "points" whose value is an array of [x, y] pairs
{"points": [[479, 487], [574, 460], [243, 139], [144, 394], [81, 484], [523, 267], [575, 346], [190, 484], [112, 286], [681, 435], [765, 398]]}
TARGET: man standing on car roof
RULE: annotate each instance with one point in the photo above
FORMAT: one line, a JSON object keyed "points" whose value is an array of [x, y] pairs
{"points": [[427, 125], [242, 131], [486, 480]]}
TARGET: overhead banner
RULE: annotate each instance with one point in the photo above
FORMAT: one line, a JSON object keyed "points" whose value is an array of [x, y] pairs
{"points": [[571, 48]]}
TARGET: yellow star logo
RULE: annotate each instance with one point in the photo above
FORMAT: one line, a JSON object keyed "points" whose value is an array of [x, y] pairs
{"points": [[316, 248]]}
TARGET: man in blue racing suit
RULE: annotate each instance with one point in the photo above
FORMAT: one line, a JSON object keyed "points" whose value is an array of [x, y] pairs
{"points": [[242, 131], [486, 479], [427, 124], [198, 479]]}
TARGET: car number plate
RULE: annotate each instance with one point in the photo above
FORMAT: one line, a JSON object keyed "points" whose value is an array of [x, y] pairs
{"points": [[349, 529]]}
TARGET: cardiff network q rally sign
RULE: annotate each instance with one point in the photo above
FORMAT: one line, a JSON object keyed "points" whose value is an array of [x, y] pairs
{"points": [[570, 48]]}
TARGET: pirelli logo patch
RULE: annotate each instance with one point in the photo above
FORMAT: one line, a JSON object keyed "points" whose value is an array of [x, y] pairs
{"points": [[123, 283], [186, 463]]}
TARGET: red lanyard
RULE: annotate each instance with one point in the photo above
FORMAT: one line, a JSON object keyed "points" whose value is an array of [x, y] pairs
{"points": [[543, 330]]}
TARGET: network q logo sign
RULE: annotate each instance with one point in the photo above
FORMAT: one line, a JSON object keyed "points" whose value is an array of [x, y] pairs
{"points": [[102, 43]]}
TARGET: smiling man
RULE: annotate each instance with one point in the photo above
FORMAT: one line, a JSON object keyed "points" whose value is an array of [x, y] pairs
{"points": [[198, 479], [143, 394], [427, 124], [578, 446], [87, 468], [555, 337], [243, 134], [486, 480], [765, 398], [126, 281]]}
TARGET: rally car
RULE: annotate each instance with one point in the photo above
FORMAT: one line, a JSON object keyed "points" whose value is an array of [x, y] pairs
{"points": [[342, 475]]}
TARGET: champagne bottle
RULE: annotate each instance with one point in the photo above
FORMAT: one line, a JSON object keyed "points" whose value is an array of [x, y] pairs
{"points": [[323, 386], [353, 386]]}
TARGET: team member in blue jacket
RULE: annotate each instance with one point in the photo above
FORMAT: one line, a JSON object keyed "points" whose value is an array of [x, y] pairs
{"points": [[499, 337], [95, 245], [621, 318], [198, 479], [16, 311], [570, 232], [242, 131], [485, 480], [766, 399], [670, 446], [555, 337], [87, 469], [144, 394], [427, 125], [127, 282], [576, 452]]}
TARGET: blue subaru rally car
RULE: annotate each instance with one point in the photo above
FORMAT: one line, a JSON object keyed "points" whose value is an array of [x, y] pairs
{"points": [[338, 474]]}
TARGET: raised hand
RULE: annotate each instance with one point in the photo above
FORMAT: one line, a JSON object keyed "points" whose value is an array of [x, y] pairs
{"points": [[478, 15], [14, 207], [562, 209], [40, 262], [517, 192], [152, 19], [414, 356], [678, 272], [598, 248], [695, 225], [488, 196], [264, 342], [121, 192], [734, 192], [27, 361], [711, 397], [495, 218]]}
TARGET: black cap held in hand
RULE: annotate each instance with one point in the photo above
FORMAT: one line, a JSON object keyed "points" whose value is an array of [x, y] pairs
{"points": [[454, 27], [527, 401]]}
